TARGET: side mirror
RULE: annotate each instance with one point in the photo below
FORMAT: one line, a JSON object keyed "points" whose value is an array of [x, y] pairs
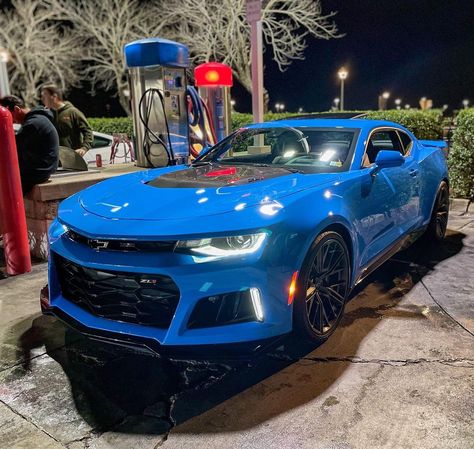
{"points": [[387, 158]]}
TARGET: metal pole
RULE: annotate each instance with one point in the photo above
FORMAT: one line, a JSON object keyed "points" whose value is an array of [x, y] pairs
{"points": [[257, 71], [4, 83], [342, 94], [12, 208]]}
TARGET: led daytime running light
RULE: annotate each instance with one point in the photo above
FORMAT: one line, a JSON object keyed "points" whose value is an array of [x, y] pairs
{"points": [[225, 246]]}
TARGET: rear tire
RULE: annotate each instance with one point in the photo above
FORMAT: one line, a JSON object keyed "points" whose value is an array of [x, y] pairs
{"points": [[323, 287], [437, 226]]}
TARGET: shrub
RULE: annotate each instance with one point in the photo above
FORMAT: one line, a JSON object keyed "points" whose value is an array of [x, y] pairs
{"points": [[108, 125], [461, 156], [425, 125]]}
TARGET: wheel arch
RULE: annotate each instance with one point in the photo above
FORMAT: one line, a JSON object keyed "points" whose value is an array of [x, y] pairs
{"points": [[343, 229]]}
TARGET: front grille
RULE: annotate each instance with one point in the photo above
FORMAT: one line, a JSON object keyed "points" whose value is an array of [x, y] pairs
{"points": [[146, 299], [122, 245]]}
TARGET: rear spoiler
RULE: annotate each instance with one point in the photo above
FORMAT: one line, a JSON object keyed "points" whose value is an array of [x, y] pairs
{"points": [[441, 144]]}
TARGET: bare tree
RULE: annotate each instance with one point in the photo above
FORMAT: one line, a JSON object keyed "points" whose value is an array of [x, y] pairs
{"points": [[40, 48], [105, 26], [218, 30]]}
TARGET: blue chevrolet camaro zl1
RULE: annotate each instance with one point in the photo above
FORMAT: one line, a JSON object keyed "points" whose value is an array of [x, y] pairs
{"points": [[264, 234]]}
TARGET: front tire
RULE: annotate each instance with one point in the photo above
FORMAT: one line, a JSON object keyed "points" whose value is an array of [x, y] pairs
{"points": [[323, 287]]}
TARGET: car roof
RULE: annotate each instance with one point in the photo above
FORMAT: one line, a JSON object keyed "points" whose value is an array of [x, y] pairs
{"points": [[363, 124]]}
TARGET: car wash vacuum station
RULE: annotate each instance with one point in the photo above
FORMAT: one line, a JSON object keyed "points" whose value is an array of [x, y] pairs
{"points": [[157, 77]]}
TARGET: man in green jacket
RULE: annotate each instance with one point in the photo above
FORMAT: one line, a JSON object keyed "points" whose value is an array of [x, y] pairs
{"points": [[73, 129]]}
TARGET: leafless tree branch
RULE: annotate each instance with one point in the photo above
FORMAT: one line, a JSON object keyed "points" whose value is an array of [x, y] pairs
{"points": [[40, 48]]}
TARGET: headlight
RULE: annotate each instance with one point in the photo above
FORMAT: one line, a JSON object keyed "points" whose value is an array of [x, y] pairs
{"points": [[224, 246], [56, 230]]}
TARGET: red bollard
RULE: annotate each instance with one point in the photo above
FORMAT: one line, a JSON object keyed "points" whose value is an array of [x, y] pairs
{"points": [[12, 207]]}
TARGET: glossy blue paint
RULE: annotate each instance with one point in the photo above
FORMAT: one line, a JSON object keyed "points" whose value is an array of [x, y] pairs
{"points": [[153, 51], [375, 206]]}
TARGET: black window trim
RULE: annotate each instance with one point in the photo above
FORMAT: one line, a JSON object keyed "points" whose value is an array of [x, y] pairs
{"points": [[382, 128], [407, 153]]}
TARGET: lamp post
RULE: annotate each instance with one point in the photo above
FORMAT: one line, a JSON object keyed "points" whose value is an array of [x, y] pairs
{"points": [[465, 103], [383, 100], [336, 103], [4, 83], [342, 73], [398, 102]]}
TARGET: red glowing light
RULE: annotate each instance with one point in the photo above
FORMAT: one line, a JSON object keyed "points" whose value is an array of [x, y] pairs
{"points": [[213, 74]]}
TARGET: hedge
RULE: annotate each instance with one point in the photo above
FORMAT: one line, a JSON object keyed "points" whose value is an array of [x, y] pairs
{"points": [[461, 156], [424, 124], [108, 125]]}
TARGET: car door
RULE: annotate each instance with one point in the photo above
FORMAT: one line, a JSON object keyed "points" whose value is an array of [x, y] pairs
{"points": [[389, 201]]}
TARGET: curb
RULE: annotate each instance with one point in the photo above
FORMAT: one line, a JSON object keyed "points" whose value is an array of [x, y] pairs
{"points": [[459, 204]]}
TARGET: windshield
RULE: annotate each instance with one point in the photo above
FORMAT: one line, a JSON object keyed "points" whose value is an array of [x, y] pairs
{"points": [[299, 149]]}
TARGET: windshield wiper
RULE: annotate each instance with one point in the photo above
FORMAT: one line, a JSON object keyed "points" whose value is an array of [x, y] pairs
{"points": [[293, 170], [201, 163]]}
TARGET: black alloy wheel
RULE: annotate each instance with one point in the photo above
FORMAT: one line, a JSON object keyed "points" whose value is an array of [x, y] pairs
{"points": [[323, 288], [439, 217]]}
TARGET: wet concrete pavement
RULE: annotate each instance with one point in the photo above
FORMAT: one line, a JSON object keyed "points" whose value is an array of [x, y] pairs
{"points": [[398, 373]]}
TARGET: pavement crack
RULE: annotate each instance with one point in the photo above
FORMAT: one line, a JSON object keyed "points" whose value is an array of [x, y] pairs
{"points": [[457, 362], [30, 422], [465, 225], [441, 307], [84, 440]]}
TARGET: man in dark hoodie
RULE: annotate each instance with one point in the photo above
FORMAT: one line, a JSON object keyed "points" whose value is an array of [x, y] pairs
{"points": [[37, 142], [73, 129]]}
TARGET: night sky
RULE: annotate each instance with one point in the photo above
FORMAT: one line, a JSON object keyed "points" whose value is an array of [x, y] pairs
{"points": [[412, 48]]}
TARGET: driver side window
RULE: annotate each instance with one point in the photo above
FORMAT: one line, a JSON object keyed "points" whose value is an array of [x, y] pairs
{"points": [[386, 140]]}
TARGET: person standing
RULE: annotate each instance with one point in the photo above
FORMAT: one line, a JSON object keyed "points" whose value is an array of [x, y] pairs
{"points": [[73, 128], [37, 142]]}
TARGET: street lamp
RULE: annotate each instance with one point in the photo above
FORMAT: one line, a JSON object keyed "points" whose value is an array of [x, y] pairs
{"points": [[336, 103], [407, 106], [465, 103], [300, 110], [398, 102], [232, 103], [342, 73], [4, 83], [280, 107]]}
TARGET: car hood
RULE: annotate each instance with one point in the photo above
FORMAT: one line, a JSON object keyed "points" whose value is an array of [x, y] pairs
{"points": [[186, 192]]}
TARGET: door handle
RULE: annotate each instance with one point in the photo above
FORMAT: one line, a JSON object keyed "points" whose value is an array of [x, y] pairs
{"points": [[413, 173]]}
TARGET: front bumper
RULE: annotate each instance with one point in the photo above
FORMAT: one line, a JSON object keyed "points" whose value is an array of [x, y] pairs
{"points": [[196, 279]]}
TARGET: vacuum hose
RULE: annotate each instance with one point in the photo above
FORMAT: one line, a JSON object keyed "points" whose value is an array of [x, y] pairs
{"points": [[150, 137], [201, 129]]}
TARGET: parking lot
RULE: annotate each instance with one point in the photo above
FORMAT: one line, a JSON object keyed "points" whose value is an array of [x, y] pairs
{"points": [[398, 373]]}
